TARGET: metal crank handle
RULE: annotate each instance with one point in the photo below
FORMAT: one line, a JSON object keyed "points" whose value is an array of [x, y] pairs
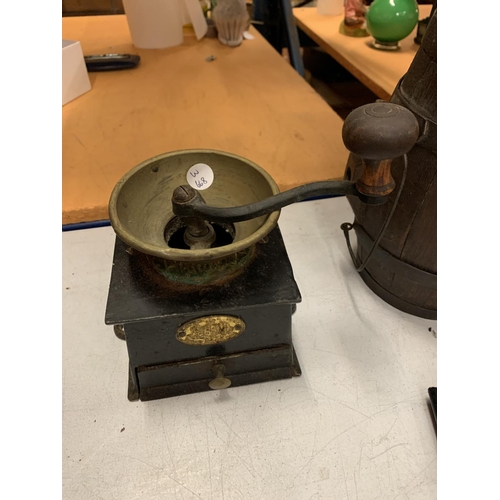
{"points": [[188, 202], [377, 132]]}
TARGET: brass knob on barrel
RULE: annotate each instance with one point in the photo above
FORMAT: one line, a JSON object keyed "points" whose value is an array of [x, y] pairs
{"points": [[219, 382], [378, 133]]}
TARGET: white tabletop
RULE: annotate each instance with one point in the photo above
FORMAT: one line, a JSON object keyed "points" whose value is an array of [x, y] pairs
{"points": [[355, 425]]}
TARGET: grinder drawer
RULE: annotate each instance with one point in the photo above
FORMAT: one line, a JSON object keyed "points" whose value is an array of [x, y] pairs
{"points": [[174, 379]]}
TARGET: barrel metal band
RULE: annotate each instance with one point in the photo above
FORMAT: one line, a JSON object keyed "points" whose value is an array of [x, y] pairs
{"points": [[402, 269]]}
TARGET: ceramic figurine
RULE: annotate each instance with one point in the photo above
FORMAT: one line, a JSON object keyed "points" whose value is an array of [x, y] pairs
{"points": [[354, 23], [231, 19]]}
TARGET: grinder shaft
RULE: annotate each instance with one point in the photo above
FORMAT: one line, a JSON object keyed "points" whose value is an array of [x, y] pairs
{"points": [[199, 234]]}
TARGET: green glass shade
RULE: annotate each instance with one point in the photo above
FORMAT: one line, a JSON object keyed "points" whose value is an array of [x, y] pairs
{"points": [[389, 21]]}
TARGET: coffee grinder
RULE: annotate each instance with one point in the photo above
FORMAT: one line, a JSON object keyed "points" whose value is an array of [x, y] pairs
{"points": [[201, 288]]}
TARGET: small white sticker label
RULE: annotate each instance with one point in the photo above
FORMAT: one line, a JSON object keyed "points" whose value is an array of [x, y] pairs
{"points": [[200, 176], [247, 35]]}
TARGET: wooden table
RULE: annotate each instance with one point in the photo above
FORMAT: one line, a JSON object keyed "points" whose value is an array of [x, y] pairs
{"points": [[379, 70], [248, 101]]}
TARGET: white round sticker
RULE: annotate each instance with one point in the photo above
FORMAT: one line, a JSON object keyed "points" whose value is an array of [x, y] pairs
{"points": [[200, 176]]}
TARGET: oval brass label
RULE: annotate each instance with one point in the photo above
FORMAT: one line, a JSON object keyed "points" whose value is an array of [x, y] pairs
{"points": [[209, 330]]}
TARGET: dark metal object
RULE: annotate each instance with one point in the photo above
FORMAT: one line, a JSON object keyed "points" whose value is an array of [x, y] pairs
{"points": [[196, 227], [434, 403], [196, 208], [152, 308], [111, 62]]}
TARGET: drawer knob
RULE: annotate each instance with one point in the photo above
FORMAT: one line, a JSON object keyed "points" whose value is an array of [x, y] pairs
{"points": [[219, 382]]}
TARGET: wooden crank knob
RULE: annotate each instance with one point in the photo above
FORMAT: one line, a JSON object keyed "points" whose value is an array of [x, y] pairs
{"points": [[379, 132]]}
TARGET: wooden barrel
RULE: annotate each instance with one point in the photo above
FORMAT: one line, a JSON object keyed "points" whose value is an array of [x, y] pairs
{"points": [[403, 269]]}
